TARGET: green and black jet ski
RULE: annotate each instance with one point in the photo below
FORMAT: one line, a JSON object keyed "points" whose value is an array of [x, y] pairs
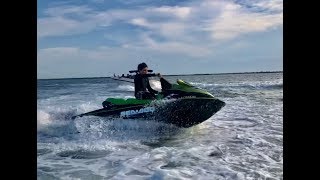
{"points": [[181, 104]]}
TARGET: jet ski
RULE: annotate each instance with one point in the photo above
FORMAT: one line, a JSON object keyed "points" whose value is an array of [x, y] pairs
{"points": [[180, 104]]}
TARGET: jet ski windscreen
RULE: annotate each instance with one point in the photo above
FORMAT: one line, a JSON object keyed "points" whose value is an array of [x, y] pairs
{"points": [[165, 84]]}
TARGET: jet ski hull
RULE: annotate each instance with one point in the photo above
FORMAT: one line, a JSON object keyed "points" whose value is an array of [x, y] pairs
{"points": [[187, 112], [184, 112]]}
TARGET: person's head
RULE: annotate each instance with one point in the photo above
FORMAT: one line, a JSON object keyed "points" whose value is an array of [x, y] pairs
{"points": [[143, 68]]}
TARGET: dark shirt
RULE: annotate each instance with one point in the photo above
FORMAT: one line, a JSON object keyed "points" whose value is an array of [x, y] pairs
{"points": [[141, 83]]}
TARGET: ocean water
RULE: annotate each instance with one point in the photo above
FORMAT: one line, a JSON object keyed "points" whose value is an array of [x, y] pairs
{"points": [[244, 140]]}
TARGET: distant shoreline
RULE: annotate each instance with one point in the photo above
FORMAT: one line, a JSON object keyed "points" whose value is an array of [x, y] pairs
{"points": [[204, 74]]}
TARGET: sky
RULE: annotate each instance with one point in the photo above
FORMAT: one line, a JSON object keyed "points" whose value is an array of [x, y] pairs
{"points": [[97, 38]]}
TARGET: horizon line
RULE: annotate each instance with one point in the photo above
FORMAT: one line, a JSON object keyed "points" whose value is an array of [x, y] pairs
{"points": [[169, 75]]}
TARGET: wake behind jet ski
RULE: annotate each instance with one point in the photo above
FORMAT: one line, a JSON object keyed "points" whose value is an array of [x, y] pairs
{"points": [[180, 104]]}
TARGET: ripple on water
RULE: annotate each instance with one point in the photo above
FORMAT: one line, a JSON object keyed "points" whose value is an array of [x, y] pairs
{"points": [[43, 151], [83, 154]]}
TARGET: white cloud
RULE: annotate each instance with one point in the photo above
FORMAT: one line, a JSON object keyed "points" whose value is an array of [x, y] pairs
{"points": [[235, 20], [226, 21], [195, 25], [170, 30], [181, 12], [71, 20], [63, 10], [67, 20], [228, 27], [274, 5], [60, 26], [140, 22], [173, 30], [182, 49], [222, 19]]}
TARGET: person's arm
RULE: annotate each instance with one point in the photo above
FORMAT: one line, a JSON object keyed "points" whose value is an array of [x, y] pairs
{"points": [[151, 75], [148, 75]]}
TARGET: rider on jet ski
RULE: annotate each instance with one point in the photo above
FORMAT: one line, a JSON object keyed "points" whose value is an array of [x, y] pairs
{"points": [[141, 83]]}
